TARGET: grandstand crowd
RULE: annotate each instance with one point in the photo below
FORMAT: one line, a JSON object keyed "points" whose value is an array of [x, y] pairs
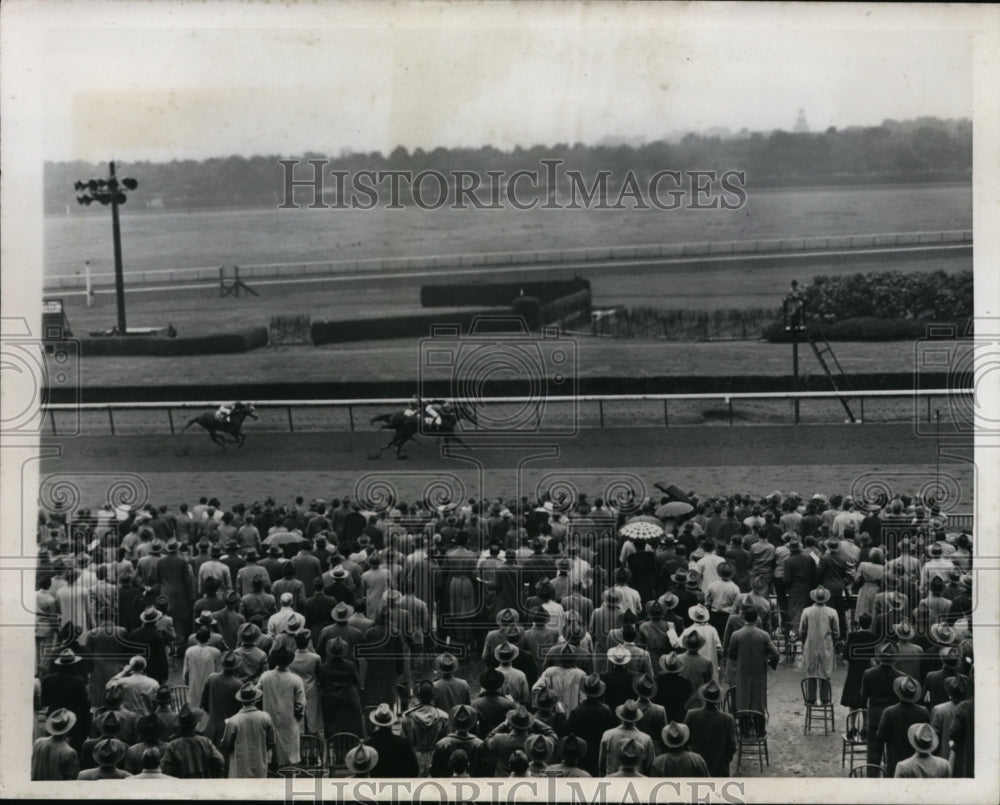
{"points": [[495, 638]]}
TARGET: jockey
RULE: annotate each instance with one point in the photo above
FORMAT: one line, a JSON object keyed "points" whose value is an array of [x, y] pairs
{"points": [[413, 407], [222, 415], [432, 415]]}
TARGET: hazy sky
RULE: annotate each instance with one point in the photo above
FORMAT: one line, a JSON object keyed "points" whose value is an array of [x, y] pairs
{"points": [[158, 81]]}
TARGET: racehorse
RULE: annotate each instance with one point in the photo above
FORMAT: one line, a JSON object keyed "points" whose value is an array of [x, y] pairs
{"points": [[231, 427], [406, 427]]}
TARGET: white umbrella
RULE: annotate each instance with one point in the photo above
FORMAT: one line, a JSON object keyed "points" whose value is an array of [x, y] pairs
{"points": [[676, 508], [640, 529]]}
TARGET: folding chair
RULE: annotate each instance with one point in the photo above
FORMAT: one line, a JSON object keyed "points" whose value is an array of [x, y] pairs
{"points": [[336, 752], [312, 755], [855, 737], [822, 702], [868, 770], [178, 697], [751, 737]]}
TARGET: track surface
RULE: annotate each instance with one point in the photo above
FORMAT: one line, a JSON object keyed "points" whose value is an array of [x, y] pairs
{"points": [[752, 458]]}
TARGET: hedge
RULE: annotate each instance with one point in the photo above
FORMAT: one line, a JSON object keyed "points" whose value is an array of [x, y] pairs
{"points": [[498, 294], [214, 344], [870, 328], [917, 296], [414, 326]]}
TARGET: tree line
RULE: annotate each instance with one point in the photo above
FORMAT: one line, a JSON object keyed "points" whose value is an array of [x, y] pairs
{"points": [[926, 149]]}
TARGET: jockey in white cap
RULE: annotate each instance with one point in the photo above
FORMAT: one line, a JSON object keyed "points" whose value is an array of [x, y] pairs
{"points": [[222, 415]]}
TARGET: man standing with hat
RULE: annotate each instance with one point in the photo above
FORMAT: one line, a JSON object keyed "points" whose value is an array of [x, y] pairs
{"points": [[711, 643], [65, 688], [284, 700], [629, 759], [590, 720], [614, 741], [52, 758], [252, 660], [200, 662], [361, 760], [396, 756], [501, 744], [177, 583], [110, 728], [491, 705], [230, 620], [449, 690], [108, 753], [340, 628], [495, 637], [678, 761], [712, 732], [539, 749], [215, 569], [896, 720], [191, 755], [654, 716], [156, 645], [572, 750], [218, 697], [923, 763], [461, 737], [818, 630], [673, 688], [515, 682], [248, 737], [752, 650], [943, 715]]}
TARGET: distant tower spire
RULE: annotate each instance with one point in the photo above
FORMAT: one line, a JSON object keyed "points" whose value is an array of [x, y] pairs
{"points": [[800, 122]]}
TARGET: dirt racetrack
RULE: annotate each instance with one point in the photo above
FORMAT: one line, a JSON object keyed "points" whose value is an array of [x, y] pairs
{"points": [[746, 458]]}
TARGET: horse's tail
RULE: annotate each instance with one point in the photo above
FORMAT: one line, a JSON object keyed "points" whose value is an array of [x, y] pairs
{"points": [[383, 418], [190, 423]]}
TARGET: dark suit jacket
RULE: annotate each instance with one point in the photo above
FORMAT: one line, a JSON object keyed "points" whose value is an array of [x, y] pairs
{"points": [[396, 757], [713, 736], [64, 688], [589, 721], [892, 727]]}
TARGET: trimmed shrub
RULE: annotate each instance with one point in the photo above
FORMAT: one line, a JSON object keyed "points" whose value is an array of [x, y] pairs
{"points": [[917, 296], [214, 344], [415, 326]]}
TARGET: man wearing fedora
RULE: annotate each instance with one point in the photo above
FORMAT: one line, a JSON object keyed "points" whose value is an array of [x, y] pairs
{"points": [[515, 682], [218, 697], [191, 755], [491, 705], [819, 631], [654, 716], [657, 635], [52, 757], [943, 714], [923, 762], [539, 749], [678, 760], [65, 688], [712, 732], [150, 732], [752, 651], [449, 689], [284, 700], [564, 679], [673, 688], [397, 757], [896, 720], [614, 741], [909, 657], [110, 729], [108, 753], [177, 583], [248, 737], [572, 750], [361, 760], [461, 738], [147, 634], [711, 642]]}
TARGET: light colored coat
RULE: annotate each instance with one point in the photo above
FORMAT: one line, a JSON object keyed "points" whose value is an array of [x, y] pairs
{"points": [[283, 690], [200, 662], [247, 740], [819, 625]]}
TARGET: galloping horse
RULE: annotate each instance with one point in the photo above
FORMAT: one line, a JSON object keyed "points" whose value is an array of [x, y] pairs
{"points": [[406, 427], [231, 427]]}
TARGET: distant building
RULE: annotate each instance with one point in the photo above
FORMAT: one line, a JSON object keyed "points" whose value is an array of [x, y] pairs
{"points": [[801, 126]]}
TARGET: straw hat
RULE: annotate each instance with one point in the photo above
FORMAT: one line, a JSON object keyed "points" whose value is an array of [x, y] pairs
{"points": [[60, 721], [361, 759], [698, 613], [820, 595], [382, 716], [619, 655]]}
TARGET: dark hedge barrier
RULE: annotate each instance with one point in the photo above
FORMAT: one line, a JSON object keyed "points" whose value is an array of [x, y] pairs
{"points": [[215, 344], [415, 326], [498, 294], [915, 296], [868, 328]]}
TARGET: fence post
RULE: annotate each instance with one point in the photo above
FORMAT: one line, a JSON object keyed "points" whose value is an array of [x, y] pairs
{"points": [[170, 416], [350, 415], [600, 408], [666, 419], [729, 402], [291, 425], [111, 420], [928, 408], [862, 408]]}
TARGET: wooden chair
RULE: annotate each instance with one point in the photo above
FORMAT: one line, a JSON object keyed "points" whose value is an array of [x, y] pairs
{"points": [[855, 737], [751, 737], [178, 697], [822, 703], [312, 755], [729, 700], [336, 752], [868, 770]]}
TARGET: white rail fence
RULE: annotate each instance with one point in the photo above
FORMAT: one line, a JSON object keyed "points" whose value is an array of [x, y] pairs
{"points": [[248, 271], [921, 399]]}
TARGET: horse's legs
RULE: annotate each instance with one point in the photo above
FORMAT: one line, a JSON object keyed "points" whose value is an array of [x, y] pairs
{"points": [[217, 439]]}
